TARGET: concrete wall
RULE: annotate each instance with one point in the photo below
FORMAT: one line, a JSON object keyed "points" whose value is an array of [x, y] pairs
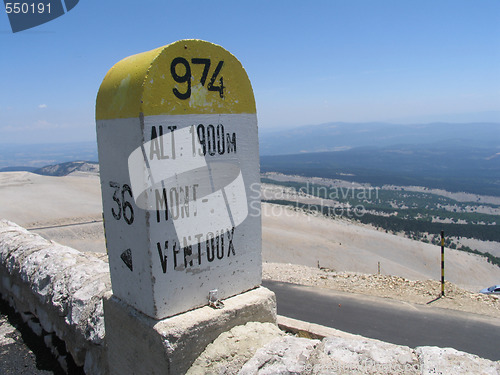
{"points": [[60, 292], [62, 287]]}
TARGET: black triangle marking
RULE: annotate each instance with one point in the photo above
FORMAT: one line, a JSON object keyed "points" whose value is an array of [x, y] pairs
{"points": [[127, 259]]}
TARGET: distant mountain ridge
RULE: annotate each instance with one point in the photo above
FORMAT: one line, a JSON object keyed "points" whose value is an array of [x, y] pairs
{"points": [[340, 136], [453, 167], [65, 169], [25, 156]]}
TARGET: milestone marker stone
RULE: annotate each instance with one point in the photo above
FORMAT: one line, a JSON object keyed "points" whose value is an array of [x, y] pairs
{"points": [[179, 167]]}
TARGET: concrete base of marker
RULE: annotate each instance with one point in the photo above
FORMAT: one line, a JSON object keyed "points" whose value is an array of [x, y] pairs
{"points": [[138, 344]]}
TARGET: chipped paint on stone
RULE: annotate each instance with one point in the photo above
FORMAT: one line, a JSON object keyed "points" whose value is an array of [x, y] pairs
{"points": [[199, 97]]}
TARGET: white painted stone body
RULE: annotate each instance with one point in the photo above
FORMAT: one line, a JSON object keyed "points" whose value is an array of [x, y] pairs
{"points": [[219, 220]]}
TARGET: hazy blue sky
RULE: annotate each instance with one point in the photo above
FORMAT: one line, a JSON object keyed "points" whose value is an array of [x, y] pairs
{"points": [[309, 62]]}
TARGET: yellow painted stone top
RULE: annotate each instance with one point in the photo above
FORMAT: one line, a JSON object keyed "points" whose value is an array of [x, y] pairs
{"points": [[186, 77]]}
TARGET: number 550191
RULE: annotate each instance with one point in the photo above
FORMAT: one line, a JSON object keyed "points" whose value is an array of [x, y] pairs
{"points": [[24, 8]]}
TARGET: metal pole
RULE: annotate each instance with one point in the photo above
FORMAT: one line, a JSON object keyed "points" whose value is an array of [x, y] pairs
{"points": [[442, 263]]}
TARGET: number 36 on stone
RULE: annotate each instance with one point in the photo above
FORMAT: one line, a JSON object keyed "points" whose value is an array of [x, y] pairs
{"points": [[179, 162]]}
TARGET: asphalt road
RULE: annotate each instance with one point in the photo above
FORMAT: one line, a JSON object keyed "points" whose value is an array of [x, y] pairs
{"points": [[390, 321]]}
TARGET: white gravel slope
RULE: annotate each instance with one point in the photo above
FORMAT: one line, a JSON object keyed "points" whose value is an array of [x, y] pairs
{"points": [[289, 236]]}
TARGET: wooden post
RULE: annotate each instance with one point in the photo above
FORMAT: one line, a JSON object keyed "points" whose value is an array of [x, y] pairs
{"points": [[442, 263]]}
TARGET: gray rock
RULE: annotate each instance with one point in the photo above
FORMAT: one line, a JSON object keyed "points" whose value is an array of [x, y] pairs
{"points": [[231, 350], [338, 355], [434, 360], [286, 355]]}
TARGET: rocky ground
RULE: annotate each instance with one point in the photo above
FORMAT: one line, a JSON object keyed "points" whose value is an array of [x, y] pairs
{"points": [[22, 352], [261, 348], [394, 287]]}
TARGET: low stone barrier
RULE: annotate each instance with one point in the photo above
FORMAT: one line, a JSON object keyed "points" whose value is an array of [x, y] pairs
{"points": [[62, 290], [260, 348], [61, 287]]}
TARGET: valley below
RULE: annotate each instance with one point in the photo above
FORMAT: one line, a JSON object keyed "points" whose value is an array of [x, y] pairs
{"points": [[469, 221], [68, 210]]}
